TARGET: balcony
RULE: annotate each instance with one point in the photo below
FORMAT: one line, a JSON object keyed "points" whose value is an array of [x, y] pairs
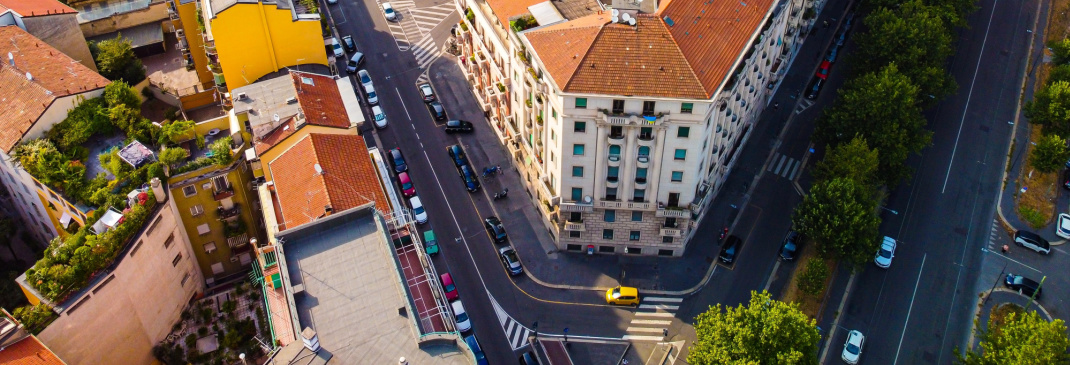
{"points": [[221, 194], [643, 161], [647, 140], [576, 207], [612, 182], [672, 212], [228, 214], [616, 136], [617, 204], [619, 117], [640, 182], [614, 160], [575, 226], [672, 232]]}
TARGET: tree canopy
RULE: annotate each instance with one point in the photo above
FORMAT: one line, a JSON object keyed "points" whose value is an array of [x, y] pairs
{"points": [[1050, 108], [853, 160], [1049, 154], [917, 38], [116, 60], [840, 215], [1023, 339], [765, 331]]}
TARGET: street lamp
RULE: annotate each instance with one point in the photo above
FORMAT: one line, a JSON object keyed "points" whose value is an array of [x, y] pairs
{"points": [[892, 211]]}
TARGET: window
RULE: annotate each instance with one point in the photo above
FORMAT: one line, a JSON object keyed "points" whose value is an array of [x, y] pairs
{"points": [[553, 113], [573, 234], [612, 174], [220, 183], [551, 156], [618, 107], [686, 108], [633, 250], [209, 247], [577, 149], [155, 222], [611, 193], [665, 252], [610, 216], [644, 152], [573, 247], [683, 132], [648, 108], [640, 175], [633, 236], [136, 247], [677, 176], [666, 239], [553, 137], [637, 216], [577, 194], [616, 132], [577, 171], [196, 210], [639, 196], [581, 103], [606, 249], [680, 154], [580, 127], [170, 239], [646, 133], [614, 152], [203, 229], [185, 278], [217, 268], [575, 217], [177, 259], [607, 234], [189, 191]]}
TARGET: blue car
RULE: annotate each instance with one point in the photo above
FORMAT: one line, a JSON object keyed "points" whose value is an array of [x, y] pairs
{"points": [[469, 178], [457, 154], [473, 344]]}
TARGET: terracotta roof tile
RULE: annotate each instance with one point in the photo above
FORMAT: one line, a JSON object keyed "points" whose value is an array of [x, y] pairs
{"points": [[640, 60], [29, 351], [561, 47], [348, 180], [506, 9], [29, 8], [320, 100], [55, 75], [277, 135]]}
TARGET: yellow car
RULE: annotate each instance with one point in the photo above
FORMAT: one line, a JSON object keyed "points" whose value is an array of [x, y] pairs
{"points": [[623, 295]]}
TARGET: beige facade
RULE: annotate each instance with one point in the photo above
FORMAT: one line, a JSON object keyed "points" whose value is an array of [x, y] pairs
{"points": [[59, 30], [98, 22]]}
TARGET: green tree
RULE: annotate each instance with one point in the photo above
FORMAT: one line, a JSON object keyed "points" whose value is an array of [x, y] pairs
{"points": [[119, 92], [812, 278], [116, 60], [1050, 108], [917, 38], [853, 160], [840, 215], [88, 118], [176, 131], [35, 318], [1060, 51], [880, 108], [172, 155], [221, 154], [1049, 154], [765, 331], [1024, 339]]}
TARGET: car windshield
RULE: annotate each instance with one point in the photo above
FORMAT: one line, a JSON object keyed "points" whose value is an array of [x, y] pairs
{"points": [[463, 317], [380, 117], [364, 79], [730, 251], [451, 287], [389, 10], [616, 293], [371, 95], [501, 234], [452, 123], [852, 349], [885, 253], [511, 256], [418, 210], [406, 186], [789, 247], [1017, 280]]}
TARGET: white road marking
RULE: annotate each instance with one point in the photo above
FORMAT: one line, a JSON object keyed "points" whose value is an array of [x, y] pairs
{"points": [[651, 321], [659, 306], [654, 314], [642, 338], [644, 329], [663, 299], [911, 308], [407, 113]]}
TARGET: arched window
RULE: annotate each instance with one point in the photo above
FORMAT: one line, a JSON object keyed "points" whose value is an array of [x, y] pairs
{"points": [[644, 151], [614, 149]]}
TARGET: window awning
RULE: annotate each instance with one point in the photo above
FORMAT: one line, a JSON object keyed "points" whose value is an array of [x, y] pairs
{"points": [[65, 219]]}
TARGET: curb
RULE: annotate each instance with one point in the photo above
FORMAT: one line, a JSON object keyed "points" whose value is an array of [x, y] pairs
{"points": [[977, 313]]}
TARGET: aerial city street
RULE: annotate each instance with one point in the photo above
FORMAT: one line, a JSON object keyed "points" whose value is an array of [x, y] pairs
{"points": [[536, 181]]}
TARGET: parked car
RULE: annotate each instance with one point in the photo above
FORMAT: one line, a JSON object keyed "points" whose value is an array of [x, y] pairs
{"points": [[471, 183], [456, 125], [448, 287], [457, 154], [790, 248], [380, 117], [365, 78], [814, 88], [336, 48], [510, 260], [332, 2], [823, 71], [355, 62], [348, 43], [1023, 285], [1032, 241], [730, 249], [388, 10], [885, 253], [430, 243], [477, 352], [406, 184], [495, 229], [528, 358], [841, 38], [852, 348], [622, 295], [460, 316], [427, 92], [398, 161], [418, 211], [369, 93], [437, 111], [831, 57], [1066, 179], [1063, 228]]}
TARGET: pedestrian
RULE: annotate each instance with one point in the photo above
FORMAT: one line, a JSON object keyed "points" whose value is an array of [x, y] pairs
{"points": [[826, 24], [499, 168], [776, 106], [1006, 249]]}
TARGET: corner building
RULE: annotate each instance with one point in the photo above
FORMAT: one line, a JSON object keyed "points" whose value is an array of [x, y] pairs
{"points": [[625, 118]]}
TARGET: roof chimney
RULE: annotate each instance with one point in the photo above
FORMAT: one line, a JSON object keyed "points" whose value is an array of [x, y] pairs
{"points": [[309, 338]]}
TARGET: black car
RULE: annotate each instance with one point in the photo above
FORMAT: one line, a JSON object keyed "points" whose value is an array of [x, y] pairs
{"points": [[528, 358], [398, 161], [457, 153], [814, 88], [730, 249], [495, 229], [437, 111], [469, 178], [1023, 285], [790, 248], [1066, 179], [456, 125], [347, 42]]}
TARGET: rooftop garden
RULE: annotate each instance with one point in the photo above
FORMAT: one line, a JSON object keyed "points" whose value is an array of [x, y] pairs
{"points": [[88, 142], [523, 23]]}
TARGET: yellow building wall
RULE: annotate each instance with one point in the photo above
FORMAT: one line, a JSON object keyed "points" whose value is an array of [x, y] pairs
{"points": [[254, 40], [187, 13]]}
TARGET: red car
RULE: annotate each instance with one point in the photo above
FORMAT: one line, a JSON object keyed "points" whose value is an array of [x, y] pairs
{"points": [[406, 184], [823, 71], [448, 287]]}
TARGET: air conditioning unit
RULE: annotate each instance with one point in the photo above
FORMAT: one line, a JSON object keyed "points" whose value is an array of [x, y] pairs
{"points": [[234, 259], [242, 96]]}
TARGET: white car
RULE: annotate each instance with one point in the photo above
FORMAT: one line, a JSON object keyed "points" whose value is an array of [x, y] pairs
{"points": [[852, 349], [337, 48], [380, 118], [389, 11], [461, 317], [1063, 228], [885, 253], [369, 92], [365, 78], [418, 210]]}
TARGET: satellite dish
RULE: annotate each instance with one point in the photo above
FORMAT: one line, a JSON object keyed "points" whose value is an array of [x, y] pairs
{"points": [[319, 170], [615, 13], [631, 21], [626, 16], [587, 199], [614, 19]]}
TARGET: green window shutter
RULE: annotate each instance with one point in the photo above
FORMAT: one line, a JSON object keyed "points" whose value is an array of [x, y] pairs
{"points": [[276, 280]]}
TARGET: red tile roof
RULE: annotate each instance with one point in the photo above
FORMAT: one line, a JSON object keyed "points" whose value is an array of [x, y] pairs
{"points": [[348, 180], [562, 46], [55, 75], [29, 351], [30, 8], [277, 135], [320, 99], [507, 9]]}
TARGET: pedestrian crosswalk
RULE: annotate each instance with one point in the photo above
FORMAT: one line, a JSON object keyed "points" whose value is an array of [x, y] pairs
{"points": [[415, 24], [426, 51], [515, 333], [652, 319], [784, 166], [802, 105]]}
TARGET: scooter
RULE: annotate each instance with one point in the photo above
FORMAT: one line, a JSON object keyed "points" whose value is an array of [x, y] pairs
{"points": [[501, 195], [724, 233]]}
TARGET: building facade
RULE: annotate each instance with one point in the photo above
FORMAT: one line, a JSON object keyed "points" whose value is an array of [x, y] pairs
{"points": [[624, 118], [50, 21]]}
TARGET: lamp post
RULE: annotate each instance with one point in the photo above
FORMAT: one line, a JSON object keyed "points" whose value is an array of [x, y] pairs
{"points": [[890, 210]]}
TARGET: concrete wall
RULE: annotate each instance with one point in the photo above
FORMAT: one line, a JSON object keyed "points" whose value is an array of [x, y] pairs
{"points": [[156, 12], [132, 309], [62, 32], [254, 40]]}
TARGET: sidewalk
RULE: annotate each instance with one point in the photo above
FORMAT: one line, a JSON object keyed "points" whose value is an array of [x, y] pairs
{"points": [[998, 297]]}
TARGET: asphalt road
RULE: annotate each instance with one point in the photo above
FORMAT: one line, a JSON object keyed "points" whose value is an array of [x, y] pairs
{"points": [[921, 309]]}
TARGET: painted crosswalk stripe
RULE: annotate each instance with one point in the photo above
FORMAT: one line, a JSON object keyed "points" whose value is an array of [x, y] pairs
{"points": [[644, 329], [659, 306], [662, 299], [772, 162], [515, 332], [654, 314], [794, 170], [780, 164], [651, 322], [642, 338]]}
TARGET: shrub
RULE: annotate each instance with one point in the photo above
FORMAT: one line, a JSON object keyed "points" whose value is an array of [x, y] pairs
{"points": [[116, 60], [221, 154], [1033, 217], [812, 278], [229, 306], [35, 318]]}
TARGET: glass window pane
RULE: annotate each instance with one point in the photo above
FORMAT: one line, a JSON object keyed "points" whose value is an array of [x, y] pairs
{"points": [[581, 103]]}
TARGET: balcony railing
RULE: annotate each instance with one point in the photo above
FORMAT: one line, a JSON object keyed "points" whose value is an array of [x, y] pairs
{"points": [[225, 214], [617, 204], [672, 232], [616, 136], [646, 136], [671, 213], [575, 226], [223, 193], [576, 207]]}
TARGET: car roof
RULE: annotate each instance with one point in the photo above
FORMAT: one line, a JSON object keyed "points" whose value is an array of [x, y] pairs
{"points": [[376, 109], [1064, 220], [415, 201], [446, 278], [628, 291], [457, 306], [404, 177], [505, 249]]}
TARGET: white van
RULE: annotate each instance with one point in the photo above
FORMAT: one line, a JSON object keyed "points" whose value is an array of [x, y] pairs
{"points": [[461, 317], [337, 48]]}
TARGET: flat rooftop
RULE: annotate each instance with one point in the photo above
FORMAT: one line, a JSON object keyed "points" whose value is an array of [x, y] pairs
{"points": [[352, 292]]}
